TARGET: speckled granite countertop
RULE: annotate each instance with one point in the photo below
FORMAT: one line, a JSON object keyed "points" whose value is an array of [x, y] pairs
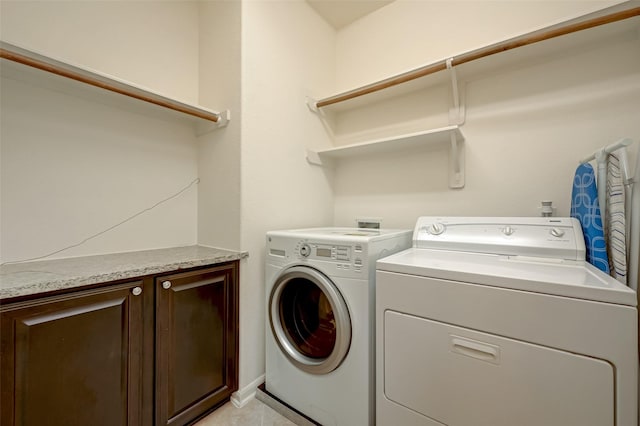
{"points": [[29, 278]]}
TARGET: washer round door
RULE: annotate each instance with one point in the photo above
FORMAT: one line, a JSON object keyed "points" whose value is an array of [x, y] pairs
{"points": [[309, 320]]}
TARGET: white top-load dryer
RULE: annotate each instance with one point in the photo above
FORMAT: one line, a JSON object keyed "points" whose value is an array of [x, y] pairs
{"points": [[501, 322]]}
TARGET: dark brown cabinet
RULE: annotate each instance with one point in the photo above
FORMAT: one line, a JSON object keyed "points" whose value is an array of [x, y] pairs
{"points": [[196, 343], [73, 359], [133, 353]]}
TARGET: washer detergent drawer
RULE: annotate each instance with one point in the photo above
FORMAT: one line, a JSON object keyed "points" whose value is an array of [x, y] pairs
{"points": [[461, 377]]}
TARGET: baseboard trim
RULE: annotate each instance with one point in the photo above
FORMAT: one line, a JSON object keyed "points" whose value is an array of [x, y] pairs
{"points": [[241, 397]]}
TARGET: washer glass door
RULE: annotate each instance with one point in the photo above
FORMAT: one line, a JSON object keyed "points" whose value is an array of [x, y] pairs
{"points": [[310, 320]]}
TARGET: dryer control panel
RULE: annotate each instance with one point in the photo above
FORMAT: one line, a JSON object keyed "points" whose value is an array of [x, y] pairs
{"points": [[548, 237]]}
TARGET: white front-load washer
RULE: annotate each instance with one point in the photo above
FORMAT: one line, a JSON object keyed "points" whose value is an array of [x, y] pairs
{"points": [[320, 340], [501, 322]]}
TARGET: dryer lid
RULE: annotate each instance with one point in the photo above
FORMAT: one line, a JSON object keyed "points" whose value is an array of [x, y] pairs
{"points": [[560, 277]]}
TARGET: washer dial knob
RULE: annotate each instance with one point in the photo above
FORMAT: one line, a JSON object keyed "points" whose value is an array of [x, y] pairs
{"points": [[305, 250], [556, 232]]}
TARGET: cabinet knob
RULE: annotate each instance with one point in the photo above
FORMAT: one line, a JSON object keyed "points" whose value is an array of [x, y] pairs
{"points": [[166, 284], [137, 291]]}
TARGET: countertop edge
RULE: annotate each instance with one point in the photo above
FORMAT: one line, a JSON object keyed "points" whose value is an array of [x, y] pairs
{"points": [[71, 280]]}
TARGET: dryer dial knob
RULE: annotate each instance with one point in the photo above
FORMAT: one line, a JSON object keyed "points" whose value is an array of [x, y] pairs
{"points": [[305, 250], [507, 230], [436, 228]]}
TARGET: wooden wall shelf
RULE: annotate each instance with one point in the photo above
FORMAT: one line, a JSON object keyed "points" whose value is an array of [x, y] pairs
{"points": [[615, 14], [31, 67], [622, 20]]}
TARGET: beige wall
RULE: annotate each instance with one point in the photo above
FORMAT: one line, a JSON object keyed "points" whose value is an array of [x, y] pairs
{"points": [[72, 167], [219, 151], [407, 34], [287, 53], [526, 127], [131, 40]]}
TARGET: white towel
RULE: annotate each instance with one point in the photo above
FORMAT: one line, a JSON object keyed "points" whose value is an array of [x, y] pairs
{"points": [[615, 223]]}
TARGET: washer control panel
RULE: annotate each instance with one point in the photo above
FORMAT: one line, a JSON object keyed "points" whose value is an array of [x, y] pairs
{"points": [[347, 256]]}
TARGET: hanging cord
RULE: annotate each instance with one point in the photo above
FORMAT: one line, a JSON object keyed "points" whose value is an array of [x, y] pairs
{"points": [[193, 182]]}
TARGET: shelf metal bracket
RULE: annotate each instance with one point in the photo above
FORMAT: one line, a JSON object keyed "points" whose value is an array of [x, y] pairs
{"points": [[456, 162], [312, 104], [223, 118], [457, 113], [454, 82], [314, 158], [456, 116], [326, 118], [206, 127]]}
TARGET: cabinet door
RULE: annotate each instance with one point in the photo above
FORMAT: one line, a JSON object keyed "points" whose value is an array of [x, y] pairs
{"points": [[197, 342], [72, 359]]}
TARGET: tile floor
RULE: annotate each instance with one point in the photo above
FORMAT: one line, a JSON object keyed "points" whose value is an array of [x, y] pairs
{"points": [[255, 413]]}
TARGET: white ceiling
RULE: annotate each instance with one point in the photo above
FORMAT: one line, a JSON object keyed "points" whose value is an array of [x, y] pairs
{"points": [[340, 13]]}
